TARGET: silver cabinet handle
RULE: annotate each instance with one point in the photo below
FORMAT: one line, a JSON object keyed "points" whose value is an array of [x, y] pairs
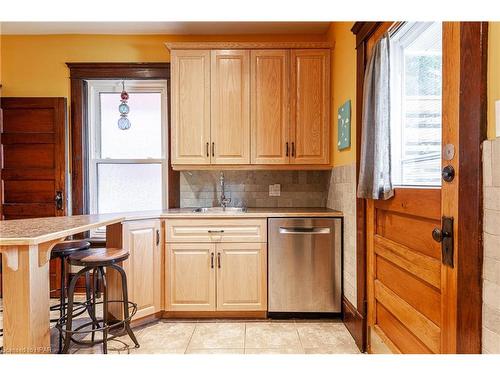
{"points": [[304, 230]]}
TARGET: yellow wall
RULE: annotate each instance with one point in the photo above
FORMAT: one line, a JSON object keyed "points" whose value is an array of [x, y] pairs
{"points": [[343, 86], [493, 74], [34, 65]]}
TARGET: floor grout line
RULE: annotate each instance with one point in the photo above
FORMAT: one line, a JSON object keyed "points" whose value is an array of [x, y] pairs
{"points": [[190, 338], [245, 339]]}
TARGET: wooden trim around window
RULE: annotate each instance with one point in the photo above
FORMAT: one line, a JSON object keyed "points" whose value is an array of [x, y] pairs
{"points": [[79, 73]]}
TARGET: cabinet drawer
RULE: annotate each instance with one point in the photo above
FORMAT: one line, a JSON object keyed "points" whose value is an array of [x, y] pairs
{"points": [[216, 230]]}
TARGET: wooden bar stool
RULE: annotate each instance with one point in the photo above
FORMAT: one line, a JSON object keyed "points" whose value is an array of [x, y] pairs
{"points": [[96, 261], [62, 251]]}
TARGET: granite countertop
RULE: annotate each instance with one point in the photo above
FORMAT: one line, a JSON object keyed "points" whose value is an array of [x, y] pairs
{"points": [[35, 231], [187, 213]]}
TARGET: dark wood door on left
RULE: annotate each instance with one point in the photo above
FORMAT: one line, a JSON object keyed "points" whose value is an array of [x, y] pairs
{"points": [[33, 168]]}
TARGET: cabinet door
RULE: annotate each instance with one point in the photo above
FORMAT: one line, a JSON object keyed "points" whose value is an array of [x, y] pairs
{"points": [[230, 125], [144, 266], [270, 106], [310, 106], [242, 276], [190, 276], [190, 107]]}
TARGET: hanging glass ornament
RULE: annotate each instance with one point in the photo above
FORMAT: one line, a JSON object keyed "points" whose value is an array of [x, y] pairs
{"points": [[124, 109]]}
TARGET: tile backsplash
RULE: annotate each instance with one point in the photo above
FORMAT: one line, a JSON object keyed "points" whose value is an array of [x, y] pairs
{"points": [[342, 197], [491, 247], [251, 188]]}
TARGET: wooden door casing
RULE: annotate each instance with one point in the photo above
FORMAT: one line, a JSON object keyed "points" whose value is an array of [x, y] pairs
{"points": [[270, 97], [310, 106], [230, 106]]}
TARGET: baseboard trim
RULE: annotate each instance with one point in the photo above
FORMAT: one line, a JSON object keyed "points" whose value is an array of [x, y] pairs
{"points": [[354, 323], [215, 314]]}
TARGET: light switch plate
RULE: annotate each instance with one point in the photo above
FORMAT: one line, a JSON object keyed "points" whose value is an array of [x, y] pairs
{"points": [[497, 117], [275, 190]]}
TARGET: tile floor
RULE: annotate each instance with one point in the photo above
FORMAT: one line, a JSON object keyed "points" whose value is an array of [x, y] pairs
{"points": [[229, 337]]}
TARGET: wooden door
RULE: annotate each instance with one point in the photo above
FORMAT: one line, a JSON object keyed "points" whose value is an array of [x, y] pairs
{"points": [[190, 273], [34, 160], [241, 276], [230, 103], [417, 301], [144, 266], [270, 98], [190, 106], [310, 106], [405, 288]]}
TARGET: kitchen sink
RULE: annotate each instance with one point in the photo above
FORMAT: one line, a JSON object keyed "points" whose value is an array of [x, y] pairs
{"points": [[220, 209]]}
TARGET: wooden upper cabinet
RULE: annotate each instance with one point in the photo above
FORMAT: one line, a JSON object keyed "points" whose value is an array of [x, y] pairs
{"points": [[310, 106], [190, 106], [230, 103], [270, 71]]}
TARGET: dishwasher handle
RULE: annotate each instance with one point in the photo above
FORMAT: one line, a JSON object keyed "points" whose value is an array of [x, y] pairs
{"points": [[305, 230]]}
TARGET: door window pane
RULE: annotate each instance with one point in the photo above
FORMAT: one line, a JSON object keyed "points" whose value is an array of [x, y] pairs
{"points": [[143, 139], [129, 187], [416, 122]]}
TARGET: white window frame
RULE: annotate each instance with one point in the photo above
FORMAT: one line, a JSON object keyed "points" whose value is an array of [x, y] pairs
{"points": [[407, 33], [95, 87]]}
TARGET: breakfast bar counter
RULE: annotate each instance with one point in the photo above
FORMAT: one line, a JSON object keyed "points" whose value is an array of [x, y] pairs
{"points": [[25, 246]]}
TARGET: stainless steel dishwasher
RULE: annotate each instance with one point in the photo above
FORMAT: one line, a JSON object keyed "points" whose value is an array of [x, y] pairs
{"points": [[305, 265]]}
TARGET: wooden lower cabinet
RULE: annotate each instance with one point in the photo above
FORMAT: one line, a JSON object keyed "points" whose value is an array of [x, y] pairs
{"points": [[190, 270], [241, 276], [216, 277], [144, 266]]}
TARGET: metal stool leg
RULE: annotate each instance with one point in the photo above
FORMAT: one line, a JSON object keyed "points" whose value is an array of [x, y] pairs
{"points": [[69, 320], [125, 304], [104, 312]]}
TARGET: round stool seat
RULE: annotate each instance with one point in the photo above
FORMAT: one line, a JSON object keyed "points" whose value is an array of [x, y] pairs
{"points": [[98, 257], [68, 247]]}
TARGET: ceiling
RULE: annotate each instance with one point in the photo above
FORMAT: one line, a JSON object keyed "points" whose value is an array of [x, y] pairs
{"points": [[186, 28]]}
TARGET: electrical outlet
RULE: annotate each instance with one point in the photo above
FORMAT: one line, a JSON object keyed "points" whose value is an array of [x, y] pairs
{"points": [[275, 190]]}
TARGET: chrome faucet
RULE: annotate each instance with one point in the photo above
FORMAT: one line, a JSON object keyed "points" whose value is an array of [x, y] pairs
{"points": [[223, 200]]}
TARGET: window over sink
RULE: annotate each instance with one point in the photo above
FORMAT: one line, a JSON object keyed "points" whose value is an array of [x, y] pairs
{"points": [[127, 168]]}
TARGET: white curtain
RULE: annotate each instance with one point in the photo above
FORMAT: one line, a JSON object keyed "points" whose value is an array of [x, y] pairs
{"points": [[375, 164]]}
